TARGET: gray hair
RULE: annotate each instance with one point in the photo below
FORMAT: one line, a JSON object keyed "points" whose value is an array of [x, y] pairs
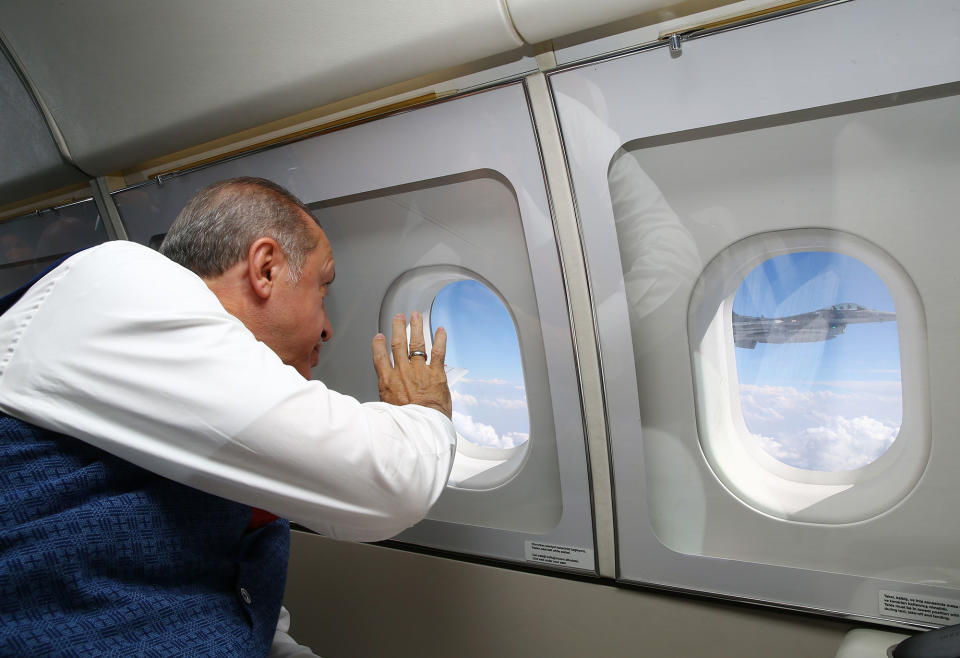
{"points": [[215, 229]]}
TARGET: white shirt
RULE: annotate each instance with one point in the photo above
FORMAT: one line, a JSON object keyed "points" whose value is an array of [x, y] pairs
{"points": [[128, 351]]}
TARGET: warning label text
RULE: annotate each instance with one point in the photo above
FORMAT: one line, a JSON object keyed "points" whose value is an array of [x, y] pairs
{"points": [[561, 556], [919, 608]]}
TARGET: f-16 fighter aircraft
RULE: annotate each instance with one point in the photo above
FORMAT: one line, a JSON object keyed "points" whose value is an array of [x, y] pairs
{"points": [[823, 324]]}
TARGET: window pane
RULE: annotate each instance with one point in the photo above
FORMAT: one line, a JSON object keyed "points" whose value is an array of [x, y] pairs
{"points": [[489, 400], [28, 245], [818, 360]]}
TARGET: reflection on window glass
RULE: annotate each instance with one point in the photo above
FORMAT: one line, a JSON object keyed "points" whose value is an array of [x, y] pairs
{"points": [[28, 245], [483, 358], [818, 360]]}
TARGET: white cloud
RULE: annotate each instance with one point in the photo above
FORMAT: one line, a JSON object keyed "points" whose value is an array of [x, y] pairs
{"points": [[463, 398], [785, 453], [840, 444], [483, 434], [498, 382], [504, 403], [824, 430], [880, 400], [517, 437], [880, 387]]}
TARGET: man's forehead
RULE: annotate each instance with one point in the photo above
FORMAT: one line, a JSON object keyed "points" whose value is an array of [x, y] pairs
{"points": [[324, 252], [315, 231]]}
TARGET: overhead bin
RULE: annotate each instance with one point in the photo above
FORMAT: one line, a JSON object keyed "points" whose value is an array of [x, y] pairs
{"points": [[443, 209], [770, 237], [541, 20], [130, 81], [124, 83]]}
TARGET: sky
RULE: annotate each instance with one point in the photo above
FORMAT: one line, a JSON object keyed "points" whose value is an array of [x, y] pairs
{"points": [[489, 402], [832, 405]]}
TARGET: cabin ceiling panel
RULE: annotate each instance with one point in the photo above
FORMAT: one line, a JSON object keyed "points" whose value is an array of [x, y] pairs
{"points": [[31, 163], [129, 81]]}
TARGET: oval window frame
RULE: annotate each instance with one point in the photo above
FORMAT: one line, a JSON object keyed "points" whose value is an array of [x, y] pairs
{"points": [[417, 289], [736, 457]]}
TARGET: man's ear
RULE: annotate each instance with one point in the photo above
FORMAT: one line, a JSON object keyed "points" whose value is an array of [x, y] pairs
{"points": [[264, 262]]}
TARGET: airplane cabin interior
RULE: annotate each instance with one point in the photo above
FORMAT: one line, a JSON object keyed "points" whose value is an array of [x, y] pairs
{"points": [[696, 259]]}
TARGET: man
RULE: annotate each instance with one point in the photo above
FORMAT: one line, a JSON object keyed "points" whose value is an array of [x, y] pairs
{"points": [[141, 395]]}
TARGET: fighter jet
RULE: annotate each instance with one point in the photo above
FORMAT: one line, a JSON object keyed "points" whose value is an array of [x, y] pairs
{"points": [[824, 324]]}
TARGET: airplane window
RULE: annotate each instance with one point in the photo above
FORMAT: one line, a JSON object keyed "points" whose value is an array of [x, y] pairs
{"points": [[439, 247], [30, 244], [484, 366], [818, 360], [807, 353]]}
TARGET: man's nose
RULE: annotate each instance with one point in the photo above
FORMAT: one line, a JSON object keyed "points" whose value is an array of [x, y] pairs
{"points": [[327, 332]]}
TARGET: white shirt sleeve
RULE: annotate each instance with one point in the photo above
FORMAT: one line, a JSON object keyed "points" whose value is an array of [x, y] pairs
{"points": [[126, 350], [284, 646]]}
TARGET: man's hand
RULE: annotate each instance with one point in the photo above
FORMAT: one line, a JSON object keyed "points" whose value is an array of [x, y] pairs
{"points": [[410, 379]]}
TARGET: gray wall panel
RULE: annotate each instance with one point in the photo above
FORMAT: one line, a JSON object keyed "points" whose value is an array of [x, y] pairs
{"points": [[357, 600]]}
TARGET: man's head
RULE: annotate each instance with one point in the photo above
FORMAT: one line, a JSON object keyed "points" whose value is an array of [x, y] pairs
{"points": [[263, 254], [215, 229]]}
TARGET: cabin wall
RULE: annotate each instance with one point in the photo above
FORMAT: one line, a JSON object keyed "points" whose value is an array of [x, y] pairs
{"points": [[352, 600]]}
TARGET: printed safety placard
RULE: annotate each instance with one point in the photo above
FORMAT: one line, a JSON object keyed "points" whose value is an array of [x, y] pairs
{"points": [[559, 556], [916, 607]]}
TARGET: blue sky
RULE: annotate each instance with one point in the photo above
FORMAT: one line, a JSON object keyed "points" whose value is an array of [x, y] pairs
{"points": [[481, 335], [807, 281], [830, 405], [489, 403]]}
